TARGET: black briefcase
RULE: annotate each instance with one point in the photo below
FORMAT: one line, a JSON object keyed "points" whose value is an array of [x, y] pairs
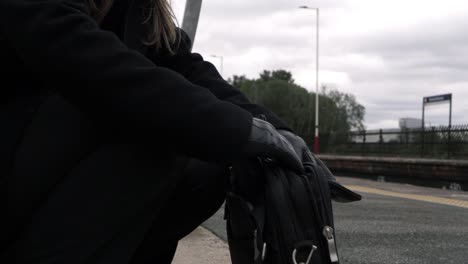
{"points": [[275, 216]]}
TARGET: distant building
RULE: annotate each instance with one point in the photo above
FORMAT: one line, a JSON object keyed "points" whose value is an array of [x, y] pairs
{"points": [[410, 123]]}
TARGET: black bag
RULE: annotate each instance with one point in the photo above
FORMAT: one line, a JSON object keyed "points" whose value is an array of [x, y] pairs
{"points": [[282, 217]]}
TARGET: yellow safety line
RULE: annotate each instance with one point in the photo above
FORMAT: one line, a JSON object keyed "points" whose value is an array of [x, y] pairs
{"points": [[424, 198]]}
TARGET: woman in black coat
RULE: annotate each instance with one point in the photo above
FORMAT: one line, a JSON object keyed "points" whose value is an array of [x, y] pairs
{"points": [[115, 137]]}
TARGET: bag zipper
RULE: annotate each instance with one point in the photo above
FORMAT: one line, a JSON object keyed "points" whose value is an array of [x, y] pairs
{"points": [[327, 231]]}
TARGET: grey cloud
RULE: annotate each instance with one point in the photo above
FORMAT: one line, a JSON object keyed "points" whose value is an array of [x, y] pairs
{"points": [[390, 71], [443, 37], [246, 8], [438, 50]]}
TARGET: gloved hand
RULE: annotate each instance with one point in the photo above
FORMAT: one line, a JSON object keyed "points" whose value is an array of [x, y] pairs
{"points": [[299, 145], [304, 152], [266, 141]]}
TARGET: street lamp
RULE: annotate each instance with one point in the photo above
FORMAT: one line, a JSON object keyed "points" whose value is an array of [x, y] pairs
{"points": [[221, 58], [316, 140]]}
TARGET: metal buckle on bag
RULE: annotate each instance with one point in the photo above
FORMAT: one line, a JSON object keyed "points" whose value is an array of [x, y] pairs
{"points": [[328, 233], [312, 250]]}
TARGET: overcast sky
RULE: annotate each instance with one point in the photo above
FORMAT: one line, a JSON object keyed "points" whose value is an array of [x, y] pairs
{"points": [[389, 54]]}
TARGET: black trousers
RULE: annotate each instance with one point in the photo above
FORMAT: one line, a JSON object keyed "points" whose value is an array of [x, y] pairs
{"points": [[110, 202]]}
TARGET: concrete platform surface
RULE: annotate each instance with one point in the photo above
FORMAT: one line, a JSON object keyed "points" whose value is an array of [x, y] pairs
{"points": [[202, 247]]}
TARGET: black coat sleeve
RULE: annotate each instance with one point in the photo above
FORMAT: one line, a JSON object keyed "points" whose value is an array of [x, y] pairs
{"points": [[205, 74], [62, 45]]}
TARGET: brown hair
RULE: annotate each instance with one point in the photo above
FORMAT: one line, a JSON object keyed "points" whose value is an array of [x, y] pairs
{"points": [[160, 19]]}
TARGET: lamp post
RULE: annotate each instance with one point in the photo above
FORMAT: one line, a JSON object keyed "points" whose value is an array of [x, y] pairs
{"points": [[221, 58], [316, 140]]}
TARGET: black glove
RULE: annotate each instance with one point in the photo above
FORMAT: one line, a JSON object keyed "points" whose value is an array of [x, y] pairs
{"points": [[266, 141], [304, 152], [299, 145]]}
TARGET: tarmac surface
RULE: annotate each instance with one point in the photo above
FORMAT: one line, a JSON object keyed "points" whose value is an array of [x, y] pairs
{"points": [[394, 223], [202, 247]]}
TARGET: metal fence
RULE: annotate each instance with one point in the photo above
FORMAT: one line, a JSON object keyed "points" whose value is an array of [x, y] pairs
{"points": [[434, 142]]}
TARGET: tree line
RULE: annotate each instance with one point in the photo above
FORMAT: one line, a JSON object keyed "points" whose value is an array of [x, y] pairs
{"points": [[339, 112]]}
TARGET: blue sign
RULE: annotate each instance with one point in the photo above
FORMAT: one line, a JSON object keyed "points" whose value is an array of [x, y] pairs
{"points": [[437, 98]]}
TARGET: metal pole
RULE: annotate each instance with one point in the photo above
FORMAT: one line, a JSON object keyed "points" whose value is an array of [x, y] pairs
{"points": [[221, 59], [316, 141], [222, 65], [423, 114], [450, 115], [191, 17], [422, 128], [449, 129]]}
